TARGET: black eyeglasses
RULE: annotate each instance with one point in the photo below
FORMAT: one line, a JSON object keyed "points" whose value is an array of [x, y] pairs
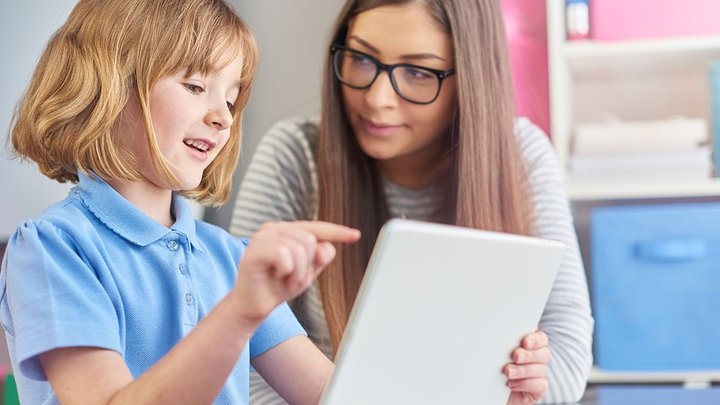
{"points": [[416, 84]]}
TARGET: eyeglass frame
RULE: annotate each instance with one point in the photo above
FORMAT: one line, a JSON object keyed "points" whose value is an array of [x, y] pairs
{"points": [[380, 67]]}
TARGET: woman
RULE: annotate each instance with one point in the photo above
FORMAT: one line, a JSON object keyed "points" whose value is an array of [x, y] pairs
{"points": [[417, 122]]}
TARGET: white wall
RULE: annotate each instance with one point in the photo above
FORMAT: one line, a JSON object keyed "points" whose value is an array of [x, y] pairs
{"points": [[25, 27], [292, 35], [293, 39]]}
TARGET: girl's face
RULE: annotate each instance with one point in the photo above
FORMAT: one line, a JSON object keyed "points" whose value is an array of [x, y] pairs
{"points": [[399, 134], [191, 117]]}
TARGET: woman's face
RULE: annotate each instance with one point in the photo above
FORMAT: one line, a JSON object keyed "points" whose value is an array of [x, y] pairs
{"points": [[399, 134]]}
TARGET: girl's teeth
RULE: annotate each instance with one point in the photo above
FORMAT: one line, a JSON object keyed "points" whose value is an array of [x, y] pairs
{"points": [[200, 146]]}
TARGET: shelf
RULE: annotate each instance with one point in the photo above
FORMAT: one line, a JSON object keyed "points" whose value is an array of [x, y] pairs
{"points": [[688, 378], [640, 190], [603, 49], [589, 59]]}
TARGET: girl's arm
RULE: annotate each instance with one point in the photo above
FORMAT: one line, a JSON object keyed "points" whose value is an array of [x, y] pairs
{"points": [[194, 371], [305, 370], [280, 262], [279, 185]]}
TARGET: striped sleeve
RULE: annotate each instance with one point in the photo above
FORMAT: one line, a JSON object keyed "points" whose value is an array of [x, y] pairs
{"points": [[567, 318], [279, 185], [280, 182]]}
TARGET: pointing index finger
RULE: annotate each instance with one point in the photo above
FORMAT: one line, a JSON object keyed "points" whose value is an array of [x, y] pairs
{"points": [[329, 232]]}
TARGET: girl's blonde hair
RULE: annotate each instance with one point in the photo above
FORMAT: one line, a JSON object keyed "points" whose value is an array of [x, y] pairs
{"points": [[486, 185], [108, 50]]}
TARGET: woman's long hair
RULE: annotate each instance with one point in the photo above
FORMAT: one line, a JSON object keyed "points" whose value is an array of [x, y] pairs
{"points": [[486, 184]]}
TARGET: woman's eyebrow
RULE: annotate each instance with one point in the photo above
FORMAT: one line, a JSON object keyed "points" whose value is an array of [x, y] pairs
{"points": [[413, 56]]}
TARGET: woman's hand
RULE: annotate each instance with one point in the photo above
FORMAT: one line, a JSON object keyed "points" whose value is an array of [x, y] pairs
{"points": [[526, 374], [281, 261]]}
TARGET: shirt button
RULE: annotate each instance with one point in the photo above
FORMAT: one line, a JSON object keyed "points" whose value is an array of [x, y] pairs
{"points": [[183, 269], [172, 245], [189, 299]]}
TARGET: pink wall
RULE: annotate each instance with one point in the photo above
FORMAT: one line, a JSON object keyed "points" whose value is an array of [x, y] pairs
{"points": [[527, 40], [612, 20]]}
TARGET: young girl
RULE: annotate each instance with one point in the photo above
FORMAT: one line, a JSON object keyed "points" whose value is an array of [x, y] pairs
{"points": [[417, 122], [115, 294]]}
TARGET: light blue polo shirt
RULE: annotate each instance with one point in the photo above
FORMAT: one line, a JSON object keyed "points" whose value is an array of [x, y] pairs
{"points": [[93, 270]]}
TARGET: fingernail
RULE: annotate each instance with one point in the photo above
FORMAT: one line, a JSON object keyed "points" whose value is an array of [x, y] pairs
{"points": [[530, 343], [512, 372]]}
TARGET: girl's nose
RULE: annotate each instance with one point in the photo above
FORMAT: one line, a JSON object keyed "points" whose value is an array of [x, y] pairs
{"points": [[219, 117]]}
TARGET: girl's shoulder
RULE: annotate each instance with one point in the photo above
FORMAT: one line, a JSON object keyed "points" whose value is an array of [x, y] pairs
{"points": [[64, 225], [67, 216]]}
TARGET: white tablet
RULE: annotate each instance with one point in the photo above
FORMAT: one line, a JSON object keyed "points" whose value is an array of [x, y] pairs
{"points": [[438, 314]]}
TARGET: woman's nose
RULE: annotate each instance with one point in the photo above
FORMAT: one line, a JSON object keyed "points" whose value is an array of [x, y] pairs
{"points": [[381, 93]]}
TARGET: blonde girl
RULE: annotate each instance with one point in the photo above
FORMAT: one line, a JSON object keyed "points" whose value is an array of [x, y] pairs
{"points": [[116, 294]]}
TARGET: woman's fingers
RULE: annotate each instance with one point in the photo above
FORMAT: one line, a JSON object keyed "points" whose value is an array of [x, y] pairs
{"points": [[523, 356], [535, 340], [536, 386], [518, 372], [527, 373]]}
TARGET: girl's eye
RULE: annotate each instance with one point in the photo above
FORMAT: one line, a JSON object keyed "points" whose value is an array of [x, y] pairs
{"points": [[194, 88], [231, 107]]}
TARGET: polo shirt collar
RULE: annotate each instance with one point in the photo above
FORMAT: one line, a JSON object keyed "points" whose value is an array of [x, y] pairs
{"points": [[125, 219]]}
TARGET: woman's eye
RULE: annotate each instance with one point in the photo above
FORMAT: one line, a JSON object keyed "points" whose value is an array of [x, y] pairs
{"points": [[360, 59], [418, 74], [231, 107], [194, 88]]}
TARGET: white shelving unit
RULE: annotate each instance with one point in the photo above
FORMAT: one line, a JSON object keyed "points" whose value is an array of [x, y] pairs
{"points": [[599, 191], [633, 80], [690, 379], [640, 79]]}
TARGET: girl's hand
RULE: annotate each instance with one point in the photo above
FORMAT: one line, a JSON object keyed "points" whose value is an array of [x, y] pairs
{"points": [[281, 261], [526, 374]]}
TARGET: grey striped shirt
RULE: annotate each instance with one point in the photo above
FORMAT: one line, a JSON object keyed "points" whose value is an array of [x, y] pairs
{"points": [[281, 184]]}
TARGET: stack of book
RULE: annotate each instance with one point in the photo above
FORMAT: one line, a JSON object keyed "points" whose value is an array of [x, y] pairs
{"points": [[672, 149]]}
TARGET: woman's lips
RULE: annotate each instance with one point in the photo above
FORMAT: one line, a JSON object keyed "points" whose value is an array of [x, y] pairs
{"points": [[379, 129]]}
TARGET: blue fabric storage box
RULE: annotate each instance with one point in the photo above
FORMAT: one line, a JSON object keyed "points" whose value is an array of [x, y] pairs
{"points": [[655, 281]]}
